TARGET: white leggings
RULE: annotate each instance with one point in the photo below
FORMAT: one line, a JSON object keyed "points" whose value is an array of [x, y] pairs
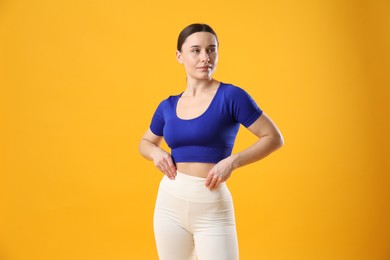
{"points": [[191, 221]]}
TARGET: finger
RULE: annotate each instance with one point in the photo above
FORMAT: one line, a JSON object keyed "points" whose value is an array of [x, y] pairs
{"points": [[171, 166], [166, 168], [219, 180], [209, 179], [161, 166], [213, 183], [210, 176]]}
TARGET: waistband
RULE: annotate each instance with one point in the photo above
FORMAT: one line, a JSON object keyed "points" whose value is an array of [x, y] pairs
{"points": [[193, 188]]}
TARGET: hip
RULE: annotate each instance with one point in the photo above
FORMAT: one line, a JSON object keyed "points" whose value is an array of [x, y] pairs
{"points": [[193, 188]]}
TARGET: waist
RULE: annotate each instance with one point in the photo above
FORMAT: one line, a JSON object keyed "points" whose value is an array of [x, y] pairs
{"points": [[193, 188], [195, 168]]}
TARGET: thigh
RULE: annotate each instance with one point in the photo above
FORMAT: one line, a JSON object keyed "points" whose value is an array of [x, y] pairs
{"points": [[217, 243], [173, 240], [214, 229]]}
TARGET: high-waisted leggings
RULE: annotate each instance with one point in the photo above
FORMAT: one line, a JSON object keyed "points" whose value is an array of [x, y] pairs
{"points": [[191, 222]]}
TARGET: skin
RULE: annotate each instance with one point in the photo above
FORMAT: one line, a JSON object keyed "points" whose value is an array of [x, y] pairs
{"points": [[201, 49]]}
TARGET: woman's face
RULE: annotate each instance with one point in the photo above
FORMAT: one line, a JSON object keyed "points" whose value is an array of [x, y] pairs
{"points": [[199, 55]]}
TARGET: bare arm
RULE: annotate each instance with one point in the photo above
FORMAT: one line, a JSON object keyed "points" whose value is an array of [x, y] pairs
{"points": [[149, 148], [270, 139]]}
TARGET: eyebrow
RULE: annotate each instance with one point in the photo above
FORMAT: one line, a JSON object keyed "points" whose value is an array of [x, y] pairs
{"points": [[212, 45]]}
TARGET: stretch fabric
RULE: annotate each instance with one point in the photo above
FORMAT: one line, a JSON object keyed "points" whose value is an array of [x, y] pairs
{"points": [[191, 222]]}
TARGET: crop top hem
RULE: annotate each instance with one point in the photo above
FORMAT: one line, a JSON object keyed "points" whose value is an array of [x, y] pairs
{"points": [[194, 153]]}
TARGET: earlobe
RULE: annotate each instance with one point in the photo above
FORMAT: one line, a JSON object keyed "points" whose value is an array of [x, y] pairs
{"points": [[178, 57]]}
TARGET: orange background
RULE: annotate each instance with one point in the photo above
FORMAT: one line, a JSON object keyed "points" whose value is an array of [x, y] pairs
{"points": [[80, 81]]}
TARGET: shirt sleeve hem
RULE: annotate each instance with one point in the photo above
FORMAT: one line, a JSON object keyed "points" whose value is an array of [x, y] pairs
{"points": [[252, 119], [156, 132]]}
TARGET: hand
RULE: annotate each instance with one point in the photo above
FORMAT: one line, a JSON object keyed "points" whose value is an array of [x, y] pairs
{"points": [[163, 161], [220, 172]]}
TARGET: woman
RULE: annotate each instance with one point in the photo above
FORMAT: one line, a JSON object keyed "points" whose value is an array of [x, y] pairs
{"points": [[194, 214]]}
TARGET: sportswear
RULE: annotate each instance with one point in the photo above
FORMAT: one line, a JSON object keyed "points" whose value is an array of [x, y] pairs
{"points": [[209, 137], [191, 222]]}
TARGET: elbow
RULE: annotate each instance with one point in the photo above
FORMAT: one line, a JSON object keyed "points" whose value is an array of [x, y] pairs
{"points": [[278, 140], [281, 141], [141, 147], [140, 150]]}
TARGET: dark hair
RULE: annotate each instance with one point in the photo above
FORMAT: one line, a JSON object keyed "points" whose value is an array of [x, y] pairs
{"points": [[193, 28]]}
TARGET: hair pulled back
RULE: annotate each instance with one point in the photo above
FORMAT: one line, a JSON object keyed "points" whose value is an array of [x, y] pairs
{"points": [[193, 28]]}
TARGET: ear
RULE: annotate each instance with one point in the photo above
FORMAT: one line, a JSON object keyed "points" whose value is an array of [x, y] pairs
{"points": [[178, 57]]}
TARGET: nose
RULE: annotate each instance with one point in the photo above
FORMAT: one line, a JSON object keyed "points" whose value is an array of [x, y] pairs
{"points": [[205, 57]]}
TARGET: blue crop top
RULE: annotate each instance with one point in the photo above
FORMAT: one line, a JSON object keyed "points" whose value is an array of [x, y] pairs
{"points": [[209, 137]]}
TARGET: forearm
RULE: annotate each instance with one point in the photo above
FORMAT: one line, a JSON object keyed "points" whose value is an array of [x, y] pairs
{"points": [[162, 160], [260, 149], [146, 149]]}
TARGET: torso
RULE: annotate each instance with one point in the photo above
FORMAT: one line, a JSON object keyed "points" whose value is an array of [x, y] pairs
{"points": [[189, 108], [195, 168]]}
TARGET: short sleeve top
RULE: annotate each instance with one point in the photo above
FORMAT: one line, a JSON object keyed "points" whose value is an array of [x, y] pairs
{"points": [[209, 137]]}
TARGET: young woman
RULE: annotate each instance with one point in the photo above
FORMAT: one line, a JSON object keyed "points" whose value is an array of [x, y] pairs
{"points": [[194, 213]]}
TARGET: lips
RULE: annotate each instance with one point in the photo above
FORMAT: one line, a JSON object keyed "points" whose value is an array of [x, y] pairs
{"points": [[205, 67]]}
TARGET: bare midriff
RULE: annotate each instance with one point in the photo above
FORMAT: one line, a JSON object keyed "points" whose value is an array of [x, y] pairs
{"points": [[195, 168]]}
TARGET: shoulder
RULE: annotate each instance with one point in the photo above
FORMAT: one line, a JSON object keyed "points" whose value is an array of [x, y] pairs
{"points": [[168, 101], [235, 92]]}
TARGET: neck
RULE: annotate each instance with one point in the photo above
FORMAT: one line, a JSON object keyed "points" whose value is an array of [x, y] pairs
{"points": [[195, 86]]}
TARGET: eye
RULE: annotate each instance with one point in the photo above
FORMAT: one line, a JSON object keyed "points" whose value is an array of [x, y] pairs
{"points": [[212, 50], [195, 50]]}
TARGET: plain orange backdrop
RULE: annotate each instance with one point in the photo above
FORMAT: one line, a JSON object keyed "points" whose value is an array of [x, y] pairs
{"points": [[80, 81]]}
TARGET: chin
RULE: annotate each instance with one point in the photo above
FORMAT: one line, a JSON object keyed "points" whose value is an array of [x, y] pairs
{"points": [[202, 76], [207, 77]]}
